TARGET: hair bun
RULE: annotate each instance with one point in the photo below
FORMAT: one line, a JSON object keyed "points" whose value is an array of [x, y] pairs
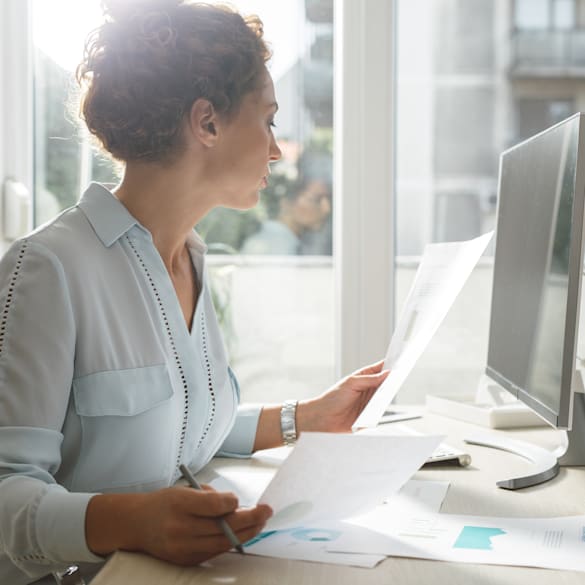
{"points": [[121, 10]]}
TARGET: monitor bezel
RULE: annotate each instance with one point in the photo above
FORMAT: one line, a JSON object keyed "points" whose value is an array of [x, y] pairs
{"points": [[563, 418]]}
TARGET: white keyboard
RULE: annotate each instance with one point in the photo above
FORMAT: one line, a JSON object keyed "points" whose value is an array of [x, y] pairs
{"points": [[445, 453]]}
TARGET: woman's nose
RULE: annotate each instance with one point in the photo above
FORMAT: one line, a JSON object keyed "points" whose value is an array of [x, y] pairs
{"points": [[275, 152]]}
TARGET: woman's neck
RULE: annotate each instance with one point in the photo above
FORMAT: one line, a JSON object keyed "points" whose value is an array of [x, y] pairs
{"points": [[165, 202]]}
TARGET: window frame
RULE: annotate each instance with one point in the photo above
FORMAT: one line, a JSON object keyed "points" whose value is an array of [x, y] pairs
{"points": [[16, 98], [364, 170]]}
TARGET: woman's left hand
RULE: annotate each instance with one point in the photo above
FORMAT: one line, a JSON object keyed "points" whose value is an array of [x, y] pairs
{"points": [[337, 409]]}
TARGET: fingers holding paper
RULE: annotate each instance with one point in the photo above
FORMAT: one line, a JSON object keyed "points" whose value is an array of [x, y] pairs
{"points": [[337, 409], [374, 368], [192, 533], [180, 524]]}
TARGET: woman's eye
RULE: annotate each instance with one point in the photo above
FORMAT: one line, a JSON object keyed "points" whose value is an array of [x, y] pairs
{"points": [[272, 124]]}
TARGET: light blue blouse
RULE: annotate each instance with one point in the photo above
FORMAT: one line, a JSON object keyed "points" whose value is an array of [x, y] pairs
{"points": [[102, 386]]}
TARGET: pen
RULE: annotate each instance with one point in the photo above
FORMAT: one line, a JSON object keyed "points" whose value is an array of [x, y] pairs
{"points": [[221, 521]]}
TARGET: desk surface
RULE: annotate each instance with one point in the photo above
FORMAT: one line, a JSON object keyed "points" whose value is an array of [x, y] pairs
{"points": [[472, 491]]}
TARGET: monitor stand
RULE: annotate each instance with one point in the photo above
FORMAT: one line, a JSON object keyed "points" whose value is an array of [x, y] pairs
{"points": [[547, 463]]}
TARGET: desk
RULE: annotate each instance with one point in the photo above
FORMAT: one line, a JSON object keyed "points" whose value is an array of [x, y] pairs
{"points": [[472, 491]]}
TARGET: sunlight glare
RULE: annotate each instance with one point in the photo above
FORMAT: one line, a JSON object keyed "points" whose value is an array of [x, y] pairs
{"points": [[60, 28]]}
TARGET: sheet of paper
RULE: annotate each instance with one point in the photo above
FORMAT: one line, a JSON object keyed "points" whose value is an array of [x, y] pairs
{"points": [[303, 543], [238, 480], [415, 497], [309, 540], [312, 543], [329, 477], [553, 543], [443, 271], [422, 496], [309, 543], [249, 479]]}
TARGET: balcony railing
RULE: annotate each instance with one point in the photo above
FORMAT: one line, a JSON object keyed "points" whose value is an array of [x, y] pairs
{"points": [[557, 53]]}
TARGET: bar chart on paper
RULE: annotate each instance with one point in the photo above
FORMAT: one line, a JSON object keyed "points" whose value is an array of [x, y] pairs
{"points": [[555, 543], [477, 537]]}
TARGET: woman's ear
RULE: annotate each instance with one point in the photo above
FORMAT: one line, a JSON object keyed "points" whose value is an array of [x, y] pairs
{"points": [[203, 122]]}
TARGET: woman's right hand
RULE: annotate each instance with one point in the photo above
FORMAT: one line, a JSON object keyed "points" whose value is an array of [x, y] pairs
{"points": [[177, 524]]}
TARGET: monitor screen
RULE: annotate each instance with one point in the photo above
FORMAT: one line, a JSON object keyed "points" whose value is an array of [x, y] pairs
{"points": [[538, 270]]}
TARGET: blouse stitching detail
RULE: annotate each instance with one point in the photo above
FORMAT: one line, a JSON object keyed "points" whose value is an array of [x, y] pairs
{"points": [[211, 417], [36, 556], [31, 557], [10, 295], [173, 348]]}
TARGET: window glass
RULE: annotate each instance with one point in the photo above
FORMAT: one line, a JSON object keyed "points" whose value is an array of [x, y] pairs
{"points": [[535, 113], [274, 262], [64, 161], [463, 98], [293, 217], [531, 14], [271, 267], [564, 14], [544, 14]]}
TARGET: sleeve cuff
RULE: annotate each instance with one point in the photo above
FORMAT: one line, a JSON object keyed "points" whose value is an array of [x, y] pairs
{"points": [[61, 526], [240, 441]]}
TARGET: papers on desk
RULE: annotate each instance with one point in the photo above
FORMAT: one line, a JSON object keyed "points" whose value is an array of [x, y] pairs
{"points": [[326, 478], [329, 477], [443, 270], [310, 542], [553, 543], [316, 542], [407, 524]]}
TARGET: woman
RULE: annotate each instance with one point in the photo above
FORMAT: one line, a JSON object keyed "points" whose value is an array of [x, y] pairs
{"points": [[112, 366], [302, 210]]}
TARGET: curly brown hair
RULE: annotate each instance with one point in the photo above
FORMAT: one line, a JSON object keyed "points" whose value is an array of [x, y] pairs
{"points": [[150, 60]]}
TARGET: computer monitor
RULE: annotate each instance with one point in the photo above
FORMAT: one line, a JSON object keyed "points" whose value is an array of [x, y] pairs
{"points": [[536, 291]]}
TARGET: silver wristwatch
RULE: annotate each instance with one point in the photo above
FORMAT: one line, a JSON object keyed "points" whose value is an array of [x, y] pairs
{"points": [[287, 422]]}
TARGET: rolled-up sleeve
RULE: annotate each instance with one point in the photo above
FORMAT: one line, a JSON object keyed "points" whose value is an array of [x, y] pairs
{"points": [[240, 441], [42, 525]]}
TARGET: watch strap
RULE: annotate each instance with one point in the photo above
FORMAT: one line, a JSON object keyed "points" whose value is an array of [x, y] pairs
{"points": [[288, 425]]}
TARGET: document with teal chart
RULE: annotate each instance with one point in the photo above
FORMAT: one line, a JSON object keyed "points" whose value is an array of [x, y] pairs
{"points": [[554, 543]]}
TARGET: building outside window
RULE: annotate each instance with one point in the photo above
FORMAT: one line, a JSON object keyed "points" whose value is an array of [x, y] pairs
{"points": [[544, 14]]}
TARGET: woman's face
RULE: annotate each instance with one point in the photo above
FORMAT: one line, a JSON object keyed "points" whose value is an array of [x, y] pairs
{"points": [[247, 148], [312, 206]]}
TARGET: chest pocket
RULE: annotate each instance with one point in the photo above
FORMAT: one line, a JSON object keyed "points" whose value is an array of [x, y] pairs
{"points": [[128, 427]]}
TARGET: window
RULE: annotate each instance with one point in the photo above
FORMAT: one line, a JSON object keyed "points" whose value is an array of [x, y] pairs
{"points": [[459, 105], [535, 113], [346, 320], [271, 267], [448, 139], [544, 14], [64, 160]]}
